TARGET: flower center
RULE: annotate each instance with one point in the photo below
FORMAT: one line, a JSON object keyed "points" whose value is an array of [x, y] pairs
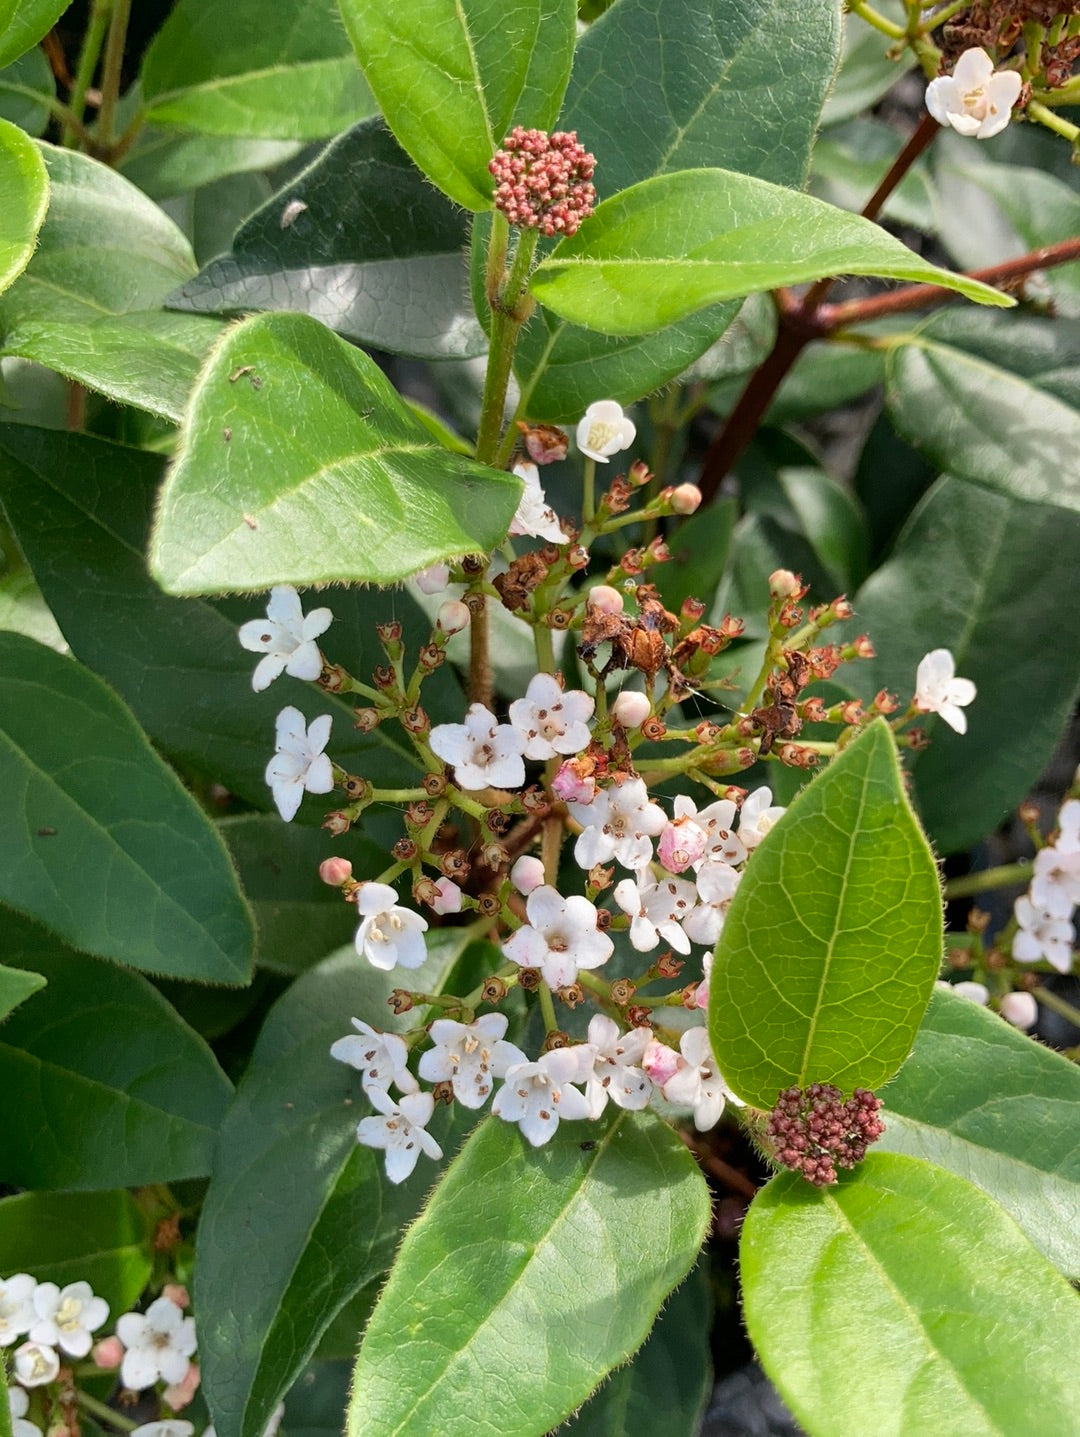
{"points": [[600, 433], [975, 103], [69, 1314]]}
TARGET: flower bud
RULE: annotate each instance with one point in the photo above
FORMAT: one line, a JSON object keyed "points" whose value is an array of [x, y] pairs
{"points": [[178, 1394], [1019, 1009], [783, 584], [684, 498], [605, 599], [453, 617], [975, 992], [433, 580], [108, 1353], [448, 897], [333, 872], [571, 785], [527, 874], [631, 708]]}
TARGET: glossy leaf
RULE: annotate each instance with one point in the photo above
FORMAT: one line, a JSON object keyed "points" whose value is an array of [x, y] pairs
{"points": [[24, 198], [453, 77], [15, 987], [88, 304], [699, 551], [288, 1166], [998, 404], [26, 88], [519, 1251], [869, 69], [962, 577], [997, 1108], [733, 83], [102, 1081], [359, 240], [101, 1238], [300, 464], [165, 163], [24, 22], [662, 249], [807, 501], [943, 1280], [282, 71], [90, 800], [834, 938]]}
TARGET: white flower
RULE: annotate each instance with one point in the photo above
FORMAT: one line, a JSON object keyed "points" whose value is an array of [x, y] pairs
{"points": [[159, 1343], [683, 840], [484, 752], [617, 1073], [560, 937], [1042, 935], [286, 637], [757, 816], [716, 885], [167, 1427], [469, 1056], [380, 1058], [66, 1318], [389, 934], [656, 910], [551, 721], [536, 1095], [19, 1402], [1055, 886], [1019, 1009], [270, 1430], [400, 1130], [698, 1082], [619, 823], [975, 99], [35, 1364], [939, 691], [1068, 839], [722, 844], [534, 515], [16, 1306], [299, 762], [604, 430]]}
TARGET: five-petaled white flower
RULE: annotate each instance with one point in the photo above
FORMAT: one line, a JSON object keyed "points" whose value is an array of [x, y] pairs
{"points": [[604, 430], [939, 691], [621, 823], [698, 1082], [19, 1402], [656, 910], [35, 1364], [483, 752], [400, 1130], [159, 1343], [16, 1306], [552, 721], [287, 637], [617, 1074], [389, 934], [469, 1056], [722, 844], [975, 99], [299, 763], [536, 1095], [1055, 885], [535, 516], [66, 1317], [166, 1427], [1042, 935], [756, 817], [560, 937], [716, 885], [683, 840], [380, 1058]]}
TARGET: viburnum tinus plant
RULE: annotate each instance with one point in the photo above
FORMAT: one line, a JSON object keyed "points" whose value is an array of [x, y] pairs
{"points": [[534, 563]]}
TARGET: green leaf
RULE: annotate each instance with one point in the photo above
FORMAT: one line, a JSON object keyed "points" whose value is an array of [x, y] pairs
{"points": [[806, 500], [282, 71], [166, 163], [102, 1081], [24, 198], [24, 22], [88, 304], [664, 1388], [834, 938], [664, 248], [288, 1164], [995, 403], [699, 552], [26, 89], [869, 68], [962, 577], [493, 1302], [453, 77], [941, 1285], [104, 844], [100, 1238], [300, 464], [997, 1108], [15, 987], [359, 240], [734, 84], [82, 510]]}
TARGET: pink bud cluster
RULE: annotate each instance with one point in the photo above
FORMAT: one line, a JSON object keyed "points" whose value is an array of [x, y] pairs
{"points": [[814, 1131], [544, 181]]}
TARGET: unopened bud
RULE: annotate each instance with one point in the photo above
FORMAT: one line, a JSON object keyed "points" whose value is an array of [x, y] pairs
{"points": [[448, 897], [631, 708], [176, 1291], [1019, 1009], [453, 617], [108, 1353], [639, 473], [783, 584], [433, 580], [692, 610], [975, 992], [863, 648], [684, 498], [335, 871], [527, 874]]}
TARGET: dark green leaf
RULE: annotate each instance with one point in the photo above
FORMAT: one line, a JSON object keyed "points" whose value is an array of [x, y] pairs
{"points": [[807, 500], [890, 479], [100, 1238], [102, 1082], [453, 77], [964, 576], [834, 938], [941, 1284], [359, 240], [999, 1109], [300, 464], [869, 67], [24, 198], [699, 552], [517, 1255], [24, 22], [26, 88], [850, 162], [104, 845], [15, 987], [164, 163]]}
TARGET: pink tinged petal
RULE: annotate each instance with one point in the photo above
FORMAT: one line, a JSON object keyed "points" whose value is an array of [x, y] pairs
{"points": [[526, 947], [526, 875]]}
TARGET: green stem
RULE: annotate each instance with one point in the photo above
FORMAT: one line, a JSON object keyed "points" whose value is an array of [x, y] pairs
{"points": [[941, 16], [508, 313], [1039, 112], [544, 642], [1007, 875], [879, 22], [111, 71], [84, 73], [547, 1008], [56, 108], [1057, 1005], [588, 503], [105, 1413]]}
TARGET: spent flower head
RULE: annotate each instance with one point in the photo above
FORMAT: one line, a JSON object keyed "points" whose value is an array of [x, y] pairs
{"points": [[814, 1130], [544, 181]]}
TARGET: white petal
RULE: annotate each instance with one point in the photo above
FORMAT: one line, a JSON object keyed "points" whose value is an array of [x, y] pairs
{"points": [[974, 68], [284, 606]]}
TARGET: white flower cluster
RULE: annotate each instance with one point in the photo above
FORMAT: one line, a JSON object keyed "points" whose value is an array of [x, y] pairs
{"points": [[1044, 913]]}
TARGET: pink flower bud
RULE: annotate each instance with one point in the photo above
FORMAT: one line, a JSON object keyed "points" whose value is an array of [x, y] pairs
{"points": [[660, 1062], [527, 874], [701, 997], [1020, 1009], [108, 1353], [605, 599], [684, 498], [433, 580], [175, 1291], [783, 584], [681, 843], [569, 785], [631, 709], [179, 1394], [453, 617], [333, 872], [449, 897]]}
